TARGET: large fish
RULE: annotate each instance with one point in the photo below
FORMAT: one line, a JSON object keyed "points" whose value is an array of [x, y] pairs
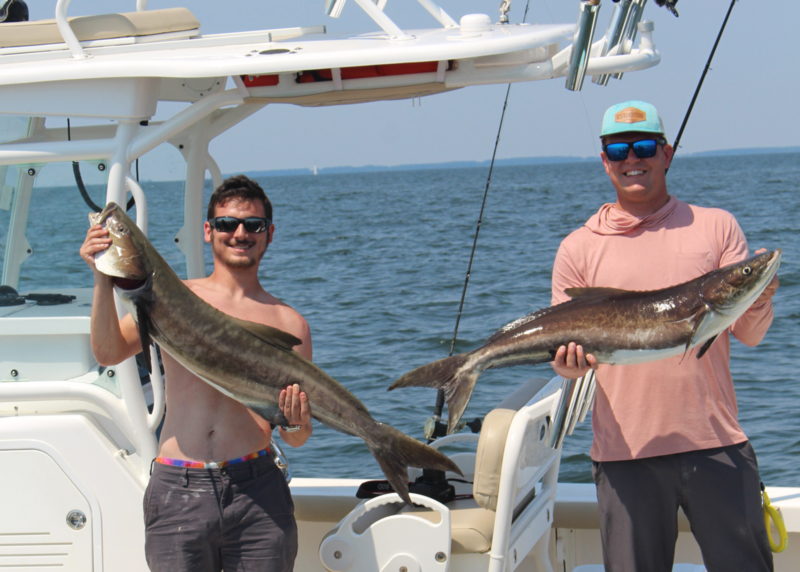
{"points": [[616, 326], [246, 361]]}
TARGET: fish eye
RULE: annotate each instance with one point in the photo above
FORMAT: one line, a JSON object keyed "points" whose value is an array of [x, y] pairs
{"points": [[121, 229], [747, 271]]}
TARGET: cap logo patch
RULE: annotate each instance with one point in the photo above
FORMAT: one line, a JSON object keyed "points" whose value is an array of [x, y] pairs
{"points": [[630, 115]]}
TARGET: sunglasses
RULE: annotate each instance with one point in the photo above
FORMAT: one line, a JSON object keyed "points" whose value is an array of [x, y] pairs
{"points": [[252, 224], [643, 149]]}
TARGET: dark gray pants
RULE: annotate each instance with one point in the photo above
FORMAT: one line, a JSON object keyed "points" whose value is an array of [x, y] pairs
{"points": [[237, 518], [718, 489]]}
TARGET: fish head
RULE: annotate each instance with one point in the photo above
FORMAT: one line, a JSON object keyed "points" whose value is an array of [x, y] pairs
{"points": [[733, 289], [126, 258]]}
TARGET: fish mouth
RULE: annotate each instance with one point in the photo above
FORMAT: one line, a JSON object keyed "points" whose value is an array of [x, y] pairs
{"points": [[128, 283], [776, 258], [102, 216]]}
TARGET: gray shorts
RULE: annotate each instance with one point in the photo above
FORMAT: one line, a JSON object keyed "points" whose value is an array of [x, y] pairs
{"points": [[718, 490], [240, 517]]}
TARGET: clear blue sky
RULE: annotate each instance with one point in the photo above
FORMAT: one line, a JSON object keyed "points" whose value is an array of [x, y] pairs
{"points": [[749, 98]]}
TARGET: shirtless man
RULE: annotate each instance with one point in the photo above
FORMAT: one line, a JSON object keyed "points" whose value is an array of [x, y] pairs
{"points": [[238, 513]]}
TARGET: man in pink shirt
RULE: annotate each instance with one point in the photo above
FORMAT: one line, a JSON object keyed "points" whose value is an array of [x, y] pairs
{"points": [[665, 433]]}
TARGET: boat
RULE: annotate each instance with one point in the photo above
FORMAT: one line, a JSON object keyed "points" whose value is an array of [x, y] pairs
{"points": [[77, 439]]}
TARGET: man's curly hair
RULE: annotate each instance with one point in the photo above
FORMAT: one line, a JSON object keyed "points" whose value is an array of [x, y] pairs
{"points": [[238, 188]]}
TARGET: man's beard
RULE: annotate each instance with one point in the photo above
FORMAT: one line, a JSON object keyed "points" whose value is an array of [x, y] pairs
{"points": [[241, 263], [244, 262]]}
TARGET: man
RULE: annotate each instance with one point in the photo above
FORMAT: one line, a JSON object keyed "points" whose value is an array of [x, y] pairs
{"points": [[215, 498], [665, 433]]}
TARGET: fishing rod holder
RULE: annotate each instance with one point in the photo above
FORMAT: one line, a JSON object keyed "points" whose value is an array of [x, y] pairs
{"points": [[631, 26], [582, 44], [577, 398], [614, 35]]}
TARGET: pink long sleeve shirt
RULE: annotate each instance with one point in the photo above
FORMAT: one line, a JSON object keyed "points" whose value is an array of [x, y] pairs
{"points": [[668, 406]]}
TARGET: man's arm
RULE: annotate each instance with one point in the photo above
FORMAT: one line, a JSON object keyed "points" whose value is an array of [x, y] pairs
{"points": [[113, 340], [292, 401], [571, 362]]}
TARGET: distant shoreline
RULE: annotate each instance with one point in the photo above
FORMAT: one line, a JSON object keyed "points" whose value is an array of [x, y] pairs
{"points": [[519, 161]]}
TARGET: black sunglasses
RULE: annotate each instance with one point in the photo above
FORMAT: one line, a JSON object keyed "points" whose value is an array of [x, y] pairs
{"points": [[643, 149], [252, 224]]}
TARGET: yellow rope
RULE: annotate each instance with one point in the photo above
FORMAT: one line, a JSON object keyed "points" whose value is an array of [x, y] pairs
{"points": [[771, 513]]}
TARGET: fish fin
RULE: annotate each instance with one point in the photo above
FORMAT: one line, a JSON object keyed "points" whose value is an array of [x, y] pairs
{"points": [[454, 375], [706, 346], [270, 335], [395, 452], [271, 413], [143, 322], [591, 292], [698, 321]]}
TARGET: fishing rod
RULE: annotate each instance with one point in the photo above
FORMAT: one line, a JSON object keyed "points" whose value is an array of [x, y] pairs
{"points": [[702, 78], [434, 427]]}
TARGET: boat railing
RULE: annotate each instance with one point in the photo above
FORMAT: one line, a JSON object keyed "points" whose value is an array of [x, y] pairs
{"points": [[66, 32], [333, 8]]}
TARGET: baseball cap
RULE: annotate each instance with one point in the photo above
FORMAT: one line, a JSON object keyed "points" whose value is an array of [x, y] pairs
{"points": [[630, 116]]}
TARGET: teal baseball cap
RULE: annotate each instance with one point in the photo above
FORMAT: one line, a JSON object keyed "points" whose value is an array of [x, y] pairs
{"points": [[630, 116]]}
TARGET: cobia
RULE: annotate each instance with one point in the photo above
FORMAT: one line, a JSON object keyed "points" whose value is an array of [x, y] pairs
{"points": [[246, 361], [616, 326]]}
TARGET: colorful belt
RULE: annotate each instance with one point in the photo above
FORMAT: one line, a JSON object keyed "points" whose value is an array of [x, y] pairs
{"points": [[212, 464]]}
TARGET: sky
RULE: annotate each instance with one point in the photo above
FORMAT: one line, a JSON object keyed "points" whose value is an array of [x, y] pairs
{"points": [[749, 98]]}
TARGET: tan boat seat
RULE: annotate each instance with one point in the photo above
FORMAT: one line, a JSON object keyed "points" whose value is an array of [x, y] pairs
{"points": [[383, 533], [102, 27], [472, 520], [471, 526]]}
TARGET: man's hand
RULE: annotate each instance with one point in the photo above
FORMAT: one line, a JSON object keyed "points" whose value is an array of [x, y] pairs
{"points": [[97, 240], [295, 406], [769, 291], [571, 363]]}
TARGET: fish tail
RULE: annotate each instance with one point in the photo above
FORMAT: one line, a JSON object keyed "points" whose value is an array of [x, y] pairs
{"points": [[455, 375], [395, 452]]}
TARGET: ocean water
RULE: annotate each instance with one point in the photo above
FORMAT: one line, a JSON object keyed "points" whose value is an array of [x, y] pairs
{"points": [[376, 263]]}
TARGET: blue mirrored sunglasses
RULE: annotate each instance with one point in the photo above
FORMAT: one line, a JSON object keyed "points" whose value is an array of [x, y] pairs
{"points": [[643, 149], [230, 224]]}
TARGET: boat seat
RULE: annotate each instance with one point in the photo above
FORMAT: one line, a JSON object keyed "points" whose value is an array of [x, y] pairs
{"points": [[102, 27], [471, 526], [375, 534], [472, 520]]}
